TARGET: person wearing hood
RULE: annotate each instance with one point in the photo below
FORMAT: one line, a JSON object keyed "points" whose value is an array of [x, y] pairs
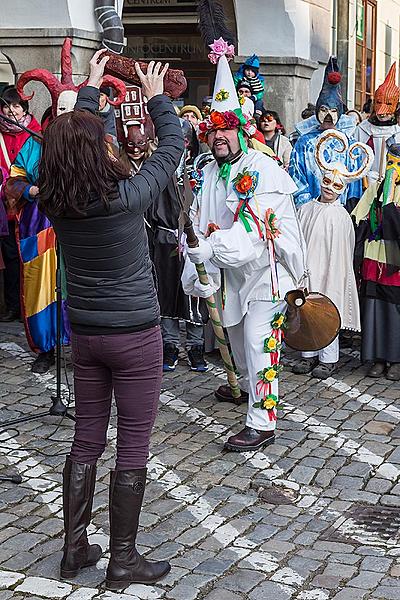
{"points": [[329, 114], [248, 73], [381, 124], [377, 218]]}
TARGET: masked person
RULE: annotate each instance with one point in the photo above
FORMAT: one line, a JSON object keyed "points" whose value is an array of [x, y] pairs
{"points": [[377, 216], [330, 239], [37, 242], [245, 217], [329, 114], [138, 143], [166, 253], [381, 124]]}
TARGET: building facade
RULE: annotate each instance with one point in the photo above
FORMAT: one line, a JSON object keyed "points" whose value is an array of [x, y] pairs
{"points": [[293, 39]]}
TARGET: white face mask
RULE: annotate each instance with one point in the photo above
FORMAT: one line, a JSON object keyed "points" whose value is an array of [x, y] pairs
{"points": [[66, 102], [325, 112], [333, 181]]}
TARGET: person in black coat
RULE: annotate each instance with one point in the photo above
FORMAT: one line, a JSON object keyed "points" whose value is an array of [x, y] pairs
{"points": [[97, 209]]}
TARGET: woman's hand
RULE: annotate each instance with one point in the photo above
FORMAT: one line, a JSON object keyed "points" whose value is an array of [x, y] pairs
{"points": [[97, 68], [153, 81], [33, 191]]}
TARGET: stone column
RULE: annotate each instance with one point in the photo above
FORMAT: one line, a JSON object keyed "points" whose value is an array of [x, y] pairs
{"points": [[287, 85], [28, 49]]}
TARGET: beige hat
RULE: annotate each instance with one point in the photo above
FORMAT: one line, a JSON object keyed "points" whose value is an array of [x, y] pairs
{"points": [[193, 109]]}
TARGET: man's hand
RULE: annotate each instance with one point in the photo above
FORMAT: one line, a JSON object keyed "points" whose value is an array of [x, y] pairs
{"points": [[204, 251], [200, 290], [33, 191], [153, 81], [97, 65]]}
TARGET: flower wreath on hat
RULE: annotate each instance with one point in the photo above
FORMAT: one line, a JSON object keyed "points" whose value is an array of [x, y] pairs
{"points": [[226, 120]]}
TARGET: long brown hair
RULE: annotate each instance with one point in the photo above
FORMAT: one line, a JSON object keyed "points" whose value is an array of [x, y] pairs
{"points": [[75, 165]]}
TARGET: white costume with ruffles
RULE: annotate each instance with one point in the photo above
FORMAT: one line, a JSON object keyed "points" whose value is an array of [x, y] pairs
{"points": [[245, 260]]}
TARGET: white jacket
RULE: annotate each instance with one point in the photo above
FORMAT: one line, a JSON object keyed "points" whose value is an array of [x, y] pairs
{"points": [[242, 255]]}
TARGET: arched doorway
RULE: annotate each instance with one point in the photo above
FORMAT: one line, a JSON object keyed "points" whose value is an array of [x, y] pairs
{"points": [[167, 30]]}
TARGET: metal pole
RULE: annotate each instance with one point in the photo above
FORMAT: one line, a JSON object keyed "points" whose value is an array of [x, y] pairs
{"points": [[342, 49]]}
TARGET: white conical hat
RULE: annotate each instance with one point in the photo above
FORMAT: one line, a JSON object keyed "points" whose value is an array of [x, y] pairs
{"points": [[224, 97]]}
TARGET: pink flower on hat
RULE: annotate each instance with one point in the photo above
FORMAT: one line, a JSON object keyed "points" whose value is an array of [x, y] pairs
{"points": [[221, 48]]}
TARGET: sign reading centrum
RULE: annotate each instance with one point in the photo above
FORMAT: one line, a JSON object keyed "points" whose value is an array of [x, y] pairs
{"points": [[146, 3]]}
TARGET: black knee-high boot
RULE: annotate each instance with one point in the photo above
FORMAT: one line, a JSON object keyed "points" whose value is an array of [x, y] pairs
{"points": [[78, 489], [126, 565]]}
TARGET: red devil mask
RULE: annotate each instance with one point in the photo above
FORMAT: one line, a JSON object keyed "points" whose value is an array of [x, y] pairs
{"points": [[63, 93]]}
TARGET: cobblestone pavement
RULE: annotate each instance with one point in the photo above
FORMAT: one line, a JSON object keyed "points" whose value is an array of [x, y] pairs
{"points": [[315, 516]]}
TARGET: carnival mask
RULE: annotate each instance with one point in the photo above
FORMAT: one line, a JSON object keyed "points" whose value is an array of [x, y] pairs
{"points": [[392, 175], [327, 115], [332, 152], [66, 102], [334, 181], [136, 142], [61, 91], [387, 95]]}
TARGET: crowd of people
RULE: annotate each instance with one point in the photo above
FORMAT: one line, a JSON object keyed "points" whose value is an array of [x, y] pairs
{"points": [[295, 154], [318, 209]]}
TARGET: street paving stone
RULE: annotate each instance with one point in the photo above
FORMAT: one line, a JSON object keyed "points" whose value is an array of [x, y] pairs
{"points": [[337, 448]]}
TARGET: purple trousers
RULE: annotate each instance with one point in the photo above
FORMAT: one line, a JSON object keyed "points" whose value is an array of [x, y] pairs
{"points": [[129, 364]]}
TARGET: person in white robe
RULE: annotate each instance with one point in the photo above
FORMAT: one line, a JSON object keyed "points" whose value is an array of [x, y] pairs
{"points": [[252, 246], [330, 239], [381, 124]]}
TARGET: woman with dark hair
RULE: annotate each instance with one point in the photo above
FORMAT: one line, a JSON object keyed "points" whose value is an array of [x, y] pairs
{"points": [[274, 135], [97, 210], [12, 138]]}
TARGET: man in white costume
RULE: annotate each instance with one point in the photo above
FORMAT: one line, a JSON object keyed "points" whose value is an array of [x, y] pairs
{"points": [[251, 243], [330, 238]]}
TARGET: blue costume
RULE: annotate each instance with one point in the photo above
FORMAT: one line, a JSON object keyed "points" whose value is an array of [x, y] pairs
{"points": [[303, 168]]}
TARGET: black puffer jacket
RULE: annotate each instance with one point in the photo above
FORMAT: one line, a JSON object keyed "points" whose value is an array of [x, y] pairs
{"points": [[109, 272]]}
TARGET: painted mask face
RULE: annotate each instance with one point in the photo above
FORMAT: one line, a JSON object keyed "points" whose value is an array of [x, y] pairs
{"points": [[328, 116], [385, 106], [333, 181], [136, 143], [66, 102], [393, 164]]}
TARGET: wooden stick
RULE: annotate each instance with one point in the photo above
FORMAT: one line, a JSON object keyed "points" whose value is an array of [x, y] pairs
{"points": [[193, 242]]}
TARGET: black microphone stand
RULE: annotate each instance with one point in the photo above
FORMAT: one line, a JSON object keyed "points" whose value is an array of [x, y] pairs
{"points": [[58, 408]]}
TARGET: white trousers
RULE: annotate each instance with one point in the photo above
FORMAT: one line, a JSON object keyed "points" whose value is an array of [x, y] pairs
{"points": [[247, 343], [329, 354]]}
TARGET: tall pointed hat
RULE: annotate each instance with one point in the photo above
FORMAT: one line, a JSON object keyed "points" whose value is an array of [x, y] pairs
{"points": [[226, 112], [331, 91], [387, 95]]}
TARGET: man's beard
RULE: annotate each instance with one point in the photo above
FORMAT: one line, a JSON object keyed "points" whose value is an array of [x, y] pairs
{"points": [[228, 158]]}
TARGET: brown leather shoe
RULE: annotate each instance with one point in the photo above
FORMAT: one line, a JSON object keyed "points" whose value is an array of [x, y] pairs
{"points": [[249, 439], [224, 394], [377, 369]]}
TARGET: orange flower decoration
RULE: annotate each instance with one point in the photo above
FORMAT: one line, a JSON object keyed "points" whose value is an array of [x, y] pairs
{"points": [[218, 120], [245, 184]]}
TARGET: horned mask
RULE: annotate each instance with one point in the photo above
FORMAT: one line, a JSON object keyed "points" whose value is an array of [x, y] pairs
{"points": [[64, 92], [335, 174]]}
